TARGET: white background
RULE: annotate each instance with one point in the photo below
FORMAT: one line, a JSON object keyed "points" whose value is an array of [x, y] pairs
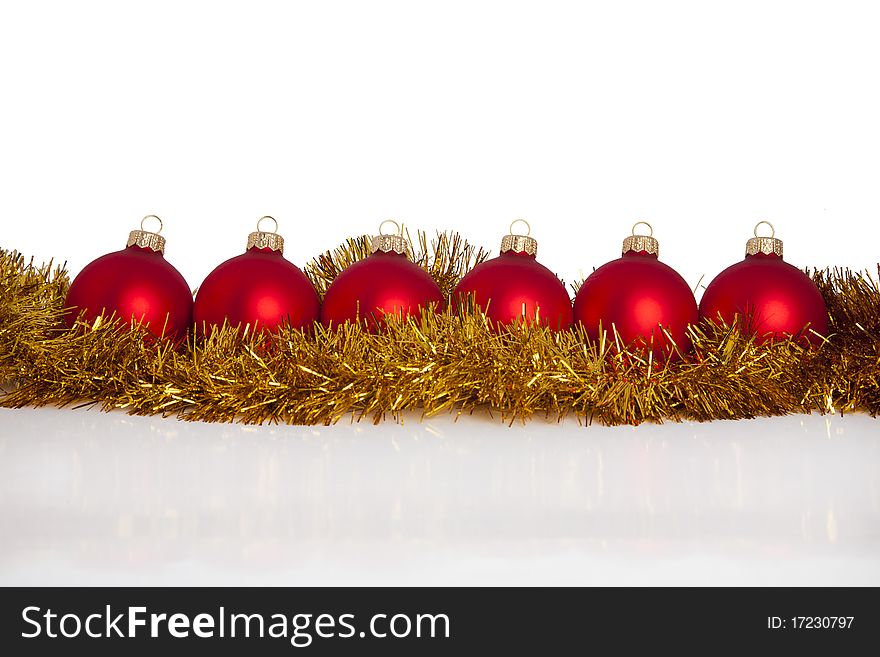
{"points": [[702, 118]]}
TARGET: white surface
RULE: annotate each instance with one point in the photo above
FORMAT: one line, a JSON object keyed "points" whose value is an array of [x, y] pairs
{"points": [[92, 498]]}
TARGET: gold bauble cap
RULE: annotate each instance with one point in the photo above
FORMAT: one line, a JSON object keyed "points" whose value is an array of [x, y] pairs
{"points": [[262, 239], [390, 242], [146, 239], [764, 244], [638, 243], [518, 243]]}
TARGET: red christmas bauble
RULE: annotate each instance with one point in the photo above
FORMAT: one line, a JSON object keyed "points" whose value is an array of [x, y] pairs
{"points": [[260, 288], [773, 299], [516, 286], [384, 283], [637, 294], [136, 283]]}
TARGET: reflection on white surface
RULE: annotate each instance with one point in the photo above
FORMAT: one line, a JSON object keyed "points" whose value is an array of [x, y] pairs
{"points": [[94, 498]]}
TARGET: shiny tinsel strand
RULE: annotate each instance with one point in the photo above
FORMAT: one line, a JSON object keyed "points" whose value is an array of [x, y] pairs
{"points": [[450, 362]]}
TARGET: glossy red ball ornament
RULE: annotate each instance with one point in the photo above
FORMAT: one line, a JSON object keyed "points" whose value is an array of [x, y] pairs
{"points": [[259, 288], [772, 298], [516, 287], [136, 283], [386, 282], [637, 295]]}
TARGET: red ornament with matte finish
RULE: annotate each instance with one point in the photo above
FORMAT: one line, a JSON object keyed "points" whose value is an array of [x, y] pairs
{"points": [[515, 286], [136, 283], [773, 299], [386, 282], [259, 288], [637, 295]]}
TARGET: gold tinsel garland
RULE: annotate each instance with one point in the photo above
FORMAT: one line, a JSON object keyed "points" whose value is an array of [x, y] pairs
{"points": [[436, 363]]}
